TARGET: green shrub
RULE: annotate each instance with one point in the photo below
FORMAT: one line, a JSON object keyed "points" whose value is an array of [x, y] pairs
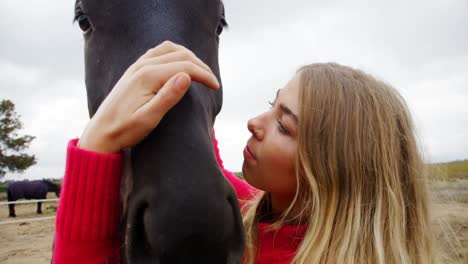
{"points": [[449, 171], [239, 174]]}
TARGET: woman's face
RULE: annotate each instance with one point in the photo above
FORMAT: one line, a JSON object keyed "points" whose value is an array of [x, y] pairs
{"points": [[269, 157]]}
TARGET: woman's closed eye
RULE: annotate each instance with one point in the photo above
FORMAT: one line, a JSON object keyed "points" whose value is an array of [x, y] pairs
{"points": [[281, 126]]}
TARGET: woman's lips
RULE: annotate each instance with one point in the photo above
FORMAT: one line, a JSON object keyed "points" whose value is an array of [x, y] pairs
{"points": [[248, 154]]}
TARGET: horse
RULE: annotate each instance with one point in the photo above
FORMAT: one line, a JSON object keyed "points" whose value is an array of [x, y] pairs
{"points": [[178, 207], [30, 190]]}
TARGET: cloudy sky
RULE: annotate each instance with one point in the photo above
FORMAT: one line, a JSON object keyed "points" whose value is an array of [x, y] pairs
{"points": [[419, 46]]}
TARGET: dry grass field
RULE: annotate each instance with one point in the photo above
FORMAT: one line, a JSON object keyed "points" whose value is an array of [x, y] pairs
{"points": [[31, 242], [27, 242], [450, 219]]}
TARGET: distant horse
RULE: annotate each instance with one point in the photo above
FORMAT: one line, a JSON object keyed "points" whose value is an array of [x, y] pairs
{"points": [[180, 208], [30, 190]]}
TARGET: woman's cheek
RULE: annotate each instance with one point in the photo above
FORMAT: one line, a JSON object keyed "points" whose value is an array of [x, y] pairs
{"points": [[281, 173]]}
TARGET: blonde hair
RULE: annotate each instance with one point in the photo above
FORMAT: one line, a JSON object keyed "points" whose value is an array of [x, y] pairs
{"points": [[359, 173]]}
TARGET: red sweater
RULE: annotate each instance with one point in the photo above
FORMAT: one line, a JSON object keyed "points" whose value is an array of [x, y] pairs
{"points": [[87, 224]]}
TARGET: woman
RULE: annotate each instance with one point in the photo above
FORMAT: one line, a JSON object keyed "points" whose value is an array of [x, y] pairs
{"points": [[332, 169]]}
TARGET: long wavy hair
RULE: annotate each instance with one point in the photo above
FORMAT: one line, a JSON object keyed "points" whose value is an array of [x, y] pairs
{"points": [[360, 180]]}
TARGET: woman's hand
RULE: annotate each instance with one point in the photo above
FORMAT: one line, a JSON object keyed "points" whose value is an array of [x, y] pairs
{"points": [[142, 96]]}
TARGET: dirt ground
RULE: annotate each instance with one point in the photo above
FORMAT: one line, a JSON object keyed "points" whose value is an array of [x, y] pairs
{"points": [[27, 242], [31, 242], [450, 220]]}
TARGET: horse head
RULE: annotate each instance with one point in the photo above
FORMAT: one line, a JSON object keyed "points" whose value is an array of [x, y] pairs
{"points": [[180, 208], [52, 187]]}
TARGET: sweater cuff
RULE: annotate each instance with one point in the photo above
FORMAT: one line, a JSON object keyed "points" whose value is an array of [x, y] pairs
{"points": [[89, 207]]}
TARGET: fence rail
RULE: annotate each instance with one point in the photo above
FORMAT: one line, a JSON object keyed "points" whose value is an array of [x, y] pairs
{"points": [[24, 220], [30, 201]]}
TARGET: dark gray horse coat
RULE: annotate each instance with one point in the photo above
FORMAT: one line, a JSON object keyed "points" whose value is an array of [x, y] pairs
{"points": [[30, 190], [180, 207]]}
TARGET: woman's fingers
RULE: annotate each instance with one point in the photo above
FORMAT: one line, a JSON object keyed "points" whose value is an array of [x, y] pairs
{"points": [[155, 76], [159, 64], [178, 55], [168, 96], [163, 48]]}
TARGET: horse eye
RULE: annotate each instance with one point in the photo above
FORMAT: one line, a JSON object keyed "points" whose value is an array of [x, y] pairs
{"points": [[82, 19], [84, 23], [219, 30], [222, 23]]}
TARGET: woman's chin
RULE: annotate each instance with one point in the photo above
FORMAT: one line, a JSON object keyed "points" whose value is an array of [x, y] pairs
{"points": [[247, 174]]}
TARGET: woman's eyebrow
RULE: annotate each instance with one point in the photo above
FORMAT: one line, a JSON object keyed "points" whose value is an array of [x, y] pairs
{"points": [[288, 111], [276, 97]]}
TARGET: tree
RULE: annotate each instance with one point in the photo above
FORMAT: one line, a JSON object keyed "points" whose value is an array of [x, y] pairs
{"points": [[11, 145]]}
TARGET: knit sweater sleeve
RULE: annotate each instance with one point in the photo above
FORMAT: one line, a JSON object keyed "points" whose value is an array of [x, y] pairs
{"points": [[88, 215], [243, 190]]}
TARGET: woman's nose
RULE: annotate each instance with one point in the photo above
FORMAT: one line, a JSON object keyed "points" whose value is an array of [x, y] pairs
{"points": [[254, 127]]}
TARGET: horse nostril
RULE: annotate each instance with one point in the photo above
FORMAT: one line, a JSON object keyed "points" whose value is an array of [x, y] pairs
{"points": [[138, 245]]}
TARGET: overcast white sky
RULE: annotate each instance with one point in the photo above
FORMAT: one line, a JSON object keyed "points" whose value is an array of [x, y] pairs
{"points": [[420, 47]]}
